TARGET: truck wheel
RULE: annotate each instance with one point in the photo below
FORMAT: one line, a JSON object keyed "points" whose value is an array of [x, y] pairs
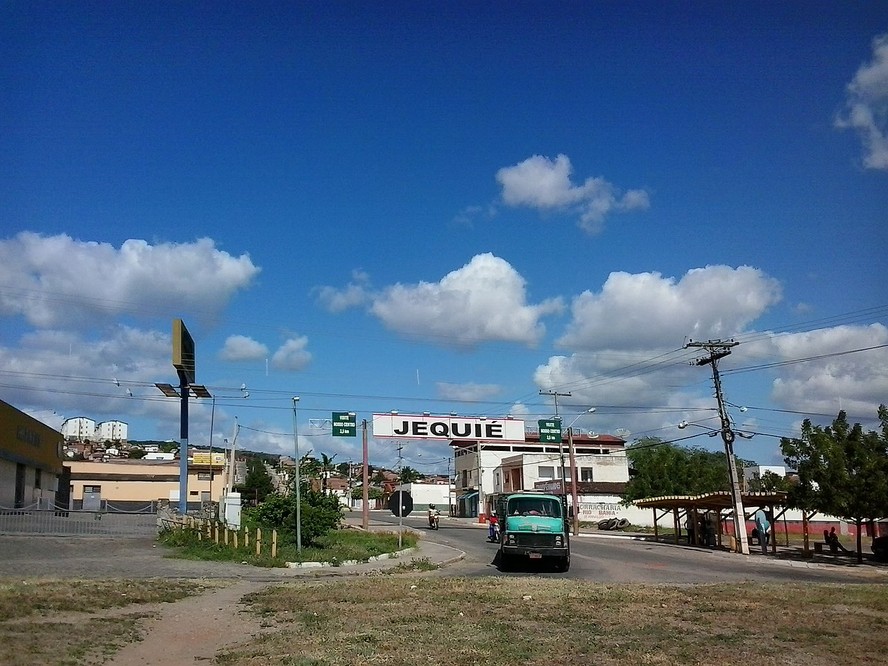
{"points": [[505, 562], [562, 565]]}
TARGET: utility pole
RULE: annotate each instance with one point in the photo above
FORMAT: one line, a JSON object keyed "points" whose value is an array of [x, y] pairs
{"points": [[400, 497], [365, 495], [719, 349], [574, 494], [555, 395]]}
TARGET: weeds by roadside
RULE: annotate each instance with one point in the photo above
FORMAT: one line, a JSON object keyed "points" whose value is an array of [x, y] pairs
{"points": [[60, 623], [335, 547], [487, 622]]}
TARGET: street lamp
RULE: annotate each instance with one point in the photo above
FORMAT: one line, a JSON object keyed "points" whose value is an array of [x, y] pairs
{"points": [[574, 494], [298, 496]]}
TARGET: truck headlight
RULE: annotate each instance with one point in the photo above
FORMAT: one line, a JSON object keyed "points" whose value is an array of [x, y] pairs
{"points": [[511, 539], [558, 540]]}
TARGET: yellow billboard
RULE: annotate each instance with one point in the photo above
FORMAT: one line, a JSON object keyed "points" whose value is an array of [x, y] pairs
{"points": [[24, 439], [206, 458]]}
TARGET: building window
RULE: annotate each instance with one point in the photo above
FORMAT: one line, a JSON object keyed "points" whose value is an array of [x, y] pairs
{"points": [[92, 489], [546, 472], [586, 474], [37, 478]]}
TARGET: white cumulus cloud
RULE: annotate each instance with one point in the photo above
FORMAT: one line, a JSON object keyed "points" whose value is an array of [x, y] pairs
{"points": [[354, 294], [485, 300], [467, 391], [866, 106], [53, 280], [543, 184], [292, 355], [856, 381], [648, 310], [242, 348]]}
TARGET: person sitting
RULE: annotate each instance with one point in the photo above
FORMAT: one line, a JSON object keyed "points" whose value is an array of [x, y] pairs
{"points": [[832, 540]]}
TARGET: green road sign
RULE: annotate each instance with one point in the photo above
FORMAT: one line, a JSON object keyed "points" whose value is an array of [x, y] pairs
{"points": [[344, 424], [550, 431]]}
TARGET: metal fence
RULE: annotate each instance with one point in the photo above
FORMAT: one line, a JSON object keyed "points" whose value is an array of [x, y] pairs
{"points": [[34, 520]]}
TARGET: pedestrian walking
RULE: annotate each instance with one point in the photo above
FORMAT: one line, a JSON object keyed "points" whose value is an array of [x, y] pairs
{"points": [[763, 526]]}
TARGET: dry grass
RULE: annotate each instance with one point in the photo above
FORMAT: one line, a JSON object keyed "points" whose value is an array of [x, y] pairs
{"points": [[78, 622], [431, 620]]}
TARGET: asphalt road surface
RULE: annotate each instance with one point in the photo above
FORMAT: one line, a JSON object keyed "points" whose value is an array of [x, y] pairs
{"points": [[611, 559]]}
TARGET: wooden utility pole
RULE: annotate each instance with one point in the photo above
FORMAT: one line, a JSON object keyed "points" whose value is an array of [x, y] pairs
{"points": [[555, 395], [719, 349], [365, 508]]}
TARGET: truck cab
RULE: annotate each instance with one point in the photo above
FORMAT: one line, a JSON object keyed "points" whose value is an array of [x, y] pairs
{"points": [[533, 526]]}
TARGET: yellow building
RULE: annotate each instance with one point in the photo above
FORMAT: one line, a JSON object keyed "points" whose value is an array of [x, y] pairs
{"points": [[30, 460], [132, 485]]}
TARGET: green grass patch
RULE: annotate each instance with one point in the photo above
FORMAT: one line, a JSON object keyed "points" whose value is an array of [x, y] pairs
{"points": [[335, 547], [493, 621], [38, 623]]}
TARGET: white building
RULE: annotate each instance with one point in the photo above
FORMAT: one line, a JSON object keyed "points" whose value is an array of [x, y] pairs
{"points": [[112, 431], [756, 472], [440, 494], [79, 429], [485, 468]]}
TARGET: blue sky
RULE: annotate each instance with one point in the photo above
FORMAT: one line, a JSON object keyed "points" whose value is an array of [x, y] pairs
{"points": [[444, 207]]}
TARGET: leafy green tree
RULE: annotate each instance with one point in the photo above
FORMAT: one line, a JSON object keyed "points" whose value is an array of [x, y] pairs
{"points": [[320, 513], [327, 468], [258, 484], [309, 467], [843, 471], [378, 477], [372, 493], [769, 482], [660, 468], [409, 475]]}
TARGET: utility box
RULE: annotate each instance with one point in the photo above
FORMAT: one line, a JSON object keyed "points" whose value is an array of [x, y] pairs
{"points": [[231, 510]]}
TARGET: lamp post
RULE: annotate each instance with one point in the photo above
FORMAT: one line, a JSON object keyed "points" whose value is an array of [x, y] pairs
{"points": [[574, 494], [297, 481]]}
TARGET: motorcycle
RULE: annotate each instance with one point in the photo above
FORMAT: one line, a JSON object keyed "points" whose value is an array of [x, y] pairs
{"points": [[433, 521], [493, 534]]}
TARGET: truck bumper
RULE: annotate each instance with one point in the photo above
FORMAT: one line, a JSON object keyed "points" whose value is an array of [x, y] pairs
{"points": [[534, 553]]}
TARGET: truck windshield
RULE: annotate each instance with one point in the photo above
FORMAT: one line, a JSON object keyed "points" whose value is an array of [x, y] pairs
{"points": [[535, 506]]}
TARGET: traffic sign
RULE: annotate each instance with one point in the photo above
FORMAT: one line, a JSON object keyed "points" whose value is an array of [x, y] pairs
{"points": [[401, 501], [550, 430], [344, 424]]}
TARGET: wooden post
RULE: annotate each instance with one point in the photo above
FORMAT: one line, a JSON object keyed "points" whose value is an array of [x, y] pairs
{"points": [[274, 543], [246, 538], [258, 541]]}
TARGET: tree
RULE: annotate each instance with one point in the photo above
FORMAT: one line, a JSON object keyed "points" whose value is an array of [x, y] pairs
{"points": [[327, 468], [258, 484], [843, 471], [409, 475], [319, 513], [660, 468], [769, 483], [309, 467]]}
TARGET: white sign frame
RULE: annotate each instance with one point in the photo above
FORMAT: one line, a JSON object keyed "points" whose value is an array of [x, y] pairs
{"points": [[447, 428]]}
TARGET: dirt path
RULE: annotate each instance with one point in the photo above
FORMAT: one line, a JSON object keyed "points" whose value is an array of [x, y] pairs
{"points": [[194, 629]]}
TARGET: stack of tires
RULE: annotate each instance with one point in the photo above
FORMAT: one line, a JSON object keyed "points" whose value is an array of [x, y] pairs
{"points": [[613, 524]]}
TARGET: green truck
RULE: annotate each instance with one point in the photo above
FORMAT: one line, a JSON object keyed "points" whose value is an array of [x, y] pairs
{"points": [[533, 526]]}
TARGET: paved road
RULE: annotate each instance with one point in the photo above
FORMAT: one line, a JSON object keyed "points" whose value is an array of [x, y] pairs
{"points": [[604, 559], [611, 559]]}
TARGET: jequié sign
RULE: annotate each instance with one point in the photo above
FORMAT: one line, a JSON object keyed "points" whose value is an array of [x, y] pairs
{"points": [[407, 426]]}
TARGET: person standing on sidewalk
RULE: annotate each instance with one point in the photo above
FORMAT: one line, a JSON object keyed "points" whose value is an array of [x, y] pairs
{"points": [[763, 526]]}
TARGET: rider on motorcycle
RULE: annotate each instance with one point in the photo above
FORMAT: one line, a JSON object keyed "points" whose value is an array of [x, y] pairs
{"points": [[433, 515], [493, 528]]}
